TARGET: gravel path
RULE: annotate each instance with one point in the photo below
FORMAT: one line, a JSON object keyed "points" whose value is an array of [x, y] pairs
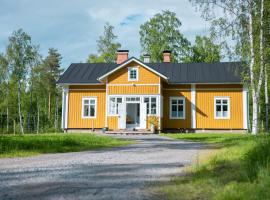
{"points": [[117, 173]]}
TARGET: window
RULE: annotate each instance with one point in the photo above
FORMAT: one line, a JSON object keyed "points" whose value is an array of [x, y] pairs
{"points": [[151, 105], [133, 99], [113, 105], [89, 107], [177, 108], [222, 107], [132, 73]]}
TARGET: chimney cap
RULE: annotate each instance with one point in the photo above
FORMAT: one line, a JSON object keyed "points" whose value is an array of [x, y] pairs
{"points": [[167, 51], [120, 50], [146, 55]]}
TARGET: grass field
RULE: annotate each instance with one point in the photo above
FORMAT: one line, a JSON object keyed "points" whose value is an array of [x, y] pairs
{"points": [[239, 169], [32, 144]]}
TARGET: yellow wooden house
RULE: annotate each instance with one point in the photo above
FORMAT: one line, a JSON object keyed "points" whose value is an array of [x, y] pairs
{"points": [[133, 93]]}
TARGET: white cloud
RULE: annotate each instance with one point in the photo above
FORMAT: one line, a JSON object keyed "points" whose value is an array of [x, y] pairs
{"points": [[74, 26]]}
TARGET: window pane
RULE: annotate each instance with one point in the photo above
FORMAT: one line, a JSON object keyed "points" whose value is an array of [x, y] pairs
{"points": [[146, 100], [153, 111], [218, 101], [174, 113], [174, 101], [225, 113], [225, 108], [174, 108], [180, 108], [86, 101], [92, 110], [180, 101], [218, 108], [224, 101], [153, 99], [180, 114], [218, 113], [119, 100], [85, 110]]}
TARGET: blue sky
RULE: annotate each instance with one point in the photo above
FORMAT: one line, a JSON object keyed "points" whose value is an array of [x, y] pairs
{"points": [[73, 26]]}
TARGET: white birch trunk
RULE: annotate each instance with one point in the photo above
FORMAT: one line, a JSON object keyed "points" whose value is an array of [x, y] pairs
{"points": [[251, 66], [262, 64], [266, 99], [7, 120], [37, 118], [19, 107]]}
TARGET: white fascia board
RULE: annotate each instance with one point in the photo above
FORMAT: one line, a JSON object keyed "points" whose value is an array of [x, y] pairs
{"points": [[129, 61]]}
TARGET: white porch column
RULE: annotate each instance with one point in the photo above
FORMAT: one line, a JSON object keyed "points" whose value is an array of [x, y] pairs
{"points": [[193, 106], [245, 108], [64, 124]]}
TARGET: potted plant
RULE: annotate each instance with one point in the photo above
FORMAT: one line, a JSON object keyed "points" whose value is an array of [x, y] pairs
{"points": [[153, 121]]}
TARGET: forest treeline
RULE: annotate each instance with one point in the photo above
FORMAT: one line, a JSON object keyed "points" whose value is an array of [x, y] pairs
{"points": [[30, 99]]}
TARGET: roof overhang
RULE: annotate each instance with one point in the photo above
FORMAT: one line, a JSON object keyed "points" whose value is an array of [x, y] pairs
{"points": [[126, 63]]}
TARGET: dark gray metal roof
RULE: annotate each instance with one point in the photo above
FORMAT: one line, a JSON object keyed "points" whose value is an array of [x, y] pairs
{"points": [[85, 72], [223, 72]]}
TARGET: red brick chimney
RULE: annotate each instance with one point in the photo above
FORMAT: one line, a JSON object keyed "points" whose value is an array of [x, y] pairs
{"points": [[122, 56], [167, 56]]}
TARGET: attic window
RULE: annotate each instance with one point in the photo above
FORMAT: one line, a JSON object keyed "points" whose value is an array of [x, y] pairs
{"points": [[132, 74]]}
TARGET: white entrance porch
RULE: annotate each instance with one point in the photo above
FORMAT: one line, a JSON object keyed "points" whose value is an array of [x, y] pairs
{"points": [[132, 110]]}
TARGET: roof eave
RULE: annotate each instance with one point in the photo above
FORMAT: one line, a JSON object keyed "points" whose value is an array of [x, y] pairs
{"points": [[101, 78]]}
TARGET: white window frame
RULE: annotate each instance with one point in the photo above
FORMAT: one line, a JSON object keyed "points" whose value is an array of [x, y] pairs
{"points": [[137, 73], [229, 107], [109, 104], [184, 107], [89, 99], [150, 103]]}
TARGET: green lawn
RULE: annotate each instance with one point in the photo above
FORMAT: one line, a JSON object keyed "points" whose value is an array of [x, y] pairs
{"points": [[240, 169], [32, 144]]}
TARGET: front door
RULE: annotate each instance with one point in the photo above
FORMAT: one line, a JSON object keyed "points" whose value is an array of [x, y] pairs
{"points": [[122, 115], [133, 115]]}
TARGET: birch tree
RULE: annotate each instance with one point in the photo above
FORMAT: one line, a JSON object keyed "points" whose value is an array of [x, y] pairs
{"points": [[20, 53], [234, 19]]}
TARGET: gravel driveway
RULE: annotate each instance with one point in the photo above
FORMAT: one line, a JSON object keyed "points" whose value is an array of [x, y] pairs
{"points": [[116, 173]]}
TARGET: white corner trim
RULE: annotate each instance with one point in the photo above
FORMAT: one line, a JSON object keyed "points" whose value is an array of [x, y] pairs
{"points": [[129, 61], [106, 105], [65, 92], [245, 108], [193, 106]]}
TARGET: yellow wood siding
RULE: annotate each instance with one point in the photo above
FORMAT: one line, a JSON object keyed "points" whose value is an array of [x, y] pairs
{"points": [[176, 123], [133, 89], [167, 86], [145, 76], [113, 122], [75, 119], [205, 110]]}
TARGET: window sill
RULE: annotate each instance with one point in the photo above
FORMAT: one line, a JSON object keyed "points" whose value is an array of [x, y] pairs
{"points": [[177, 118], [89, 117], [222, 118]]}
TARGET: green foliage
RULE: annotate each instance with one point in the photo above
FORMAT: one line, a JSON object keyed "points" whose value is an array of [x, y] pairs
{"points": [[26, 145], [29, 81], [237, 168], [162, 32], [106, 46], [204, 50]]}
